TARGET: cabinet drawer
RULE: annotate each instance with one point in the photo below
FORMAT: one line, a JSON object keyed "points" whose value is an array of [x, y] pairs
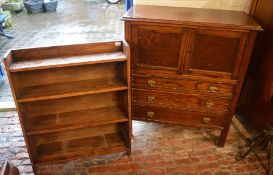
{"points": [[180, 100], [184, 117], [183, 85]]}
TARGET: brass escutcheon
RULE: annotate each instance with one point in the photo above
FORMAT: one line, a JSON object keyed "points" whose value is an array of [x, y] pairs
{"points": [[209, 104], [150, 98], [213, 89], [150, 114], [206, 120], [151, 83]]}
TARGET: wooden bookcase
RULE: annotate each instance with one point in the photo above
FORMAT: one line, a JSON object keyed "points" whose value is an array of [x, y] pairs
{"points": [[73, 101]]}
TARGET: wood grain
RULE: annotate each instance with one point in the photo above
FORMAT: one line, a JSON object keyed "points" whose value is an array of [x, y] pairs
{"points": [[72, 100], [256, 100], [67, 61], [183, 85], [191, 61], [66, 121], [191, 17], [74, 88], [40, 53], [183, 117], [80, 148], [6, 169], [181, 100]]}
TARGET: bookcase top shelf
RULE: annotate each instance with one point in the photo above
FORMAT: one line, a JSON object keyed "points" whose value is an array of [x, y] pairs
{"points": [[28, 59], [69, 89], [67, 61]]}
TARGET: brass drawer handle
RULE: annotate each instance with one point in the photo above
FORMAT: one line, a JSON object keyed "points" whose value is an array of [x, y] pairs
{"points": [[150, 114], [213, 89], [150, 98], [206, 120], [151, 83], [209, 104]]}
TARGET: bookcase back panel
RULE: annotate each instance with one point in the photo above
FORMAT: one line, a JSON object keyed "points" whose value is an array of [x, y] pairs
{"points": [[66, 51], [68, 74], [77, 103]]}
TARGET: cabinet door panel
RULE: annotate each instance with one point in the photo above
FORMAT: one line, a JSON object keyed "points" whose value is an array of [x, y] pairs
{"points": [[216, 53], [156, 47]]}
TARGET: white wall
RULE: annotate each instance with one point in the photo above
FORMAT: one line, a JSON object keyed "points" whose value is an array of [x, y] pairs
{"points": [[239, 5]]}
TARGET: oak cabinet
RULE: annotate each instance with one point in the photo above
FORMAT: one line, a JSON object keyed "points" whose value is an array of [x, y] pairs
{"points": [[188, 65]]}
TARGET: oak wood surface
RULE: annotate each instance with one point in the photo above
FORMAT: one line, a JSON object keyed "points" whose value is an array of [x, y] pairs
{"points": [[181, 100], [184, 117], [194, 52], [75, 103], [6, 169], [75, 134], [256, 100], [80, 148], [66, 121], [241, 77], [183, 85], [73, 88], [8, 59], [67, 61], [40, 53], [63, 75], [72, 100], [191, 16]]}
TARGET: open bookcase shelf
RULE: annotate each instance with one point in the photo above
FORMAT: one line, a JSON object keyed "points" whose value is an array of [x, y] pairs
{"points": [[66, 121], [109, 140], [72, 100], [67, 61], [68, 89]]}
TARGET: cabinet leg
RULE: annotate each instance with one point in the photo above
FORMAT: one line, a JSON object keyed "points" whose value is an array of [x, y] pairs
{"points": [[270, 157], [223, 137], [129, 152]]}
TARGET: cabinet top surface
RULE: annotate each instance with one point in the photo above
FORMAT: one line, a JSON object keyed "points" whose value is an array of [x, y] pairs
{"points": [[191, 16]]}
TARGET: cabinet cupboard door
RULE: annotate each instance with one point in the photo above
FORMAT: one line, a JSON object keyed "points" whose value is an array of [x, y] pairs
{"points": [[156, 48], [214, 53]]}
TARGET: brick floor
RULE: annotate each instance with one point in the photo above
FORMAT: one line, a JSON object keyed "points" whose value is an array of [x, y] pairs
{"points": [[76, 21], [156, 149]]}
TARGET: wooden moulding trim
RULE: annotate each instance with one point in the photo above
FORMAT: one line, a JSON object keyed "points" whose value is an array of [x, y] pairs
{"points": [[196, 24]]}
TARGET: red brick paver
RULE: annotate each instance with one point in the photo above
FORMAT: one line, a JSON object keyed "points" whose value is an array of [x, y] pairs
{"points": [[156, 149]]}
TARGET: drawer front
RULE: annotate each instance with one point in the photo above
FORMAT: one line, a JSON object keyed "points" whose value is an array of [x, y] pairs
{"points": [[181, 100], [184, 117], [182, 85]]}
